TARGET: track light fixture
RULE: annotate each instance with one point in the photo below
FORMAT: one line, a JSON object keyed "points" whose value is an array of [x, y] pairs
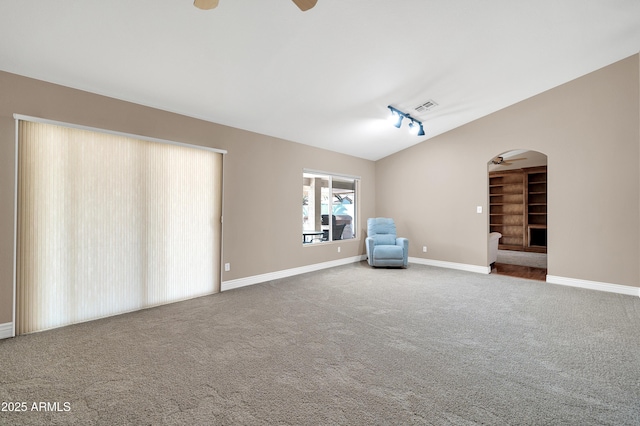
{"points": [[415, 126]]}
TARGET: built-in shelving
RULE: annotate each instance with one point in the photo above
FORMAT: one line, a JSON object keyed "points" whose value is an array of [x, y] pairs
{"points": [[518, 208], [536, 209]]}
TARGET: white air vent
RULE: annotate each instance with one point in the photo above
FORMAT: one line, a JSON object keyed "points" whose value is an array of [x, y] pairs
{"points": [[426, 106]]}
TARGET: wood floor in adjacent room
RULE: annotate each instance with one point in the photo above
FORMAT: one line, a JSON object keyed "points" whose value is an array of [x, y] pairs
{"points": [[521, 264], [528, 272]]}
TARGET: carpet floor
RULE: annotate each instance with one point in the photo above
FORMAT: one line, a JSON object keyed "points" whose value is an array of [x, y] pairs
{"points": [[349, 345]]}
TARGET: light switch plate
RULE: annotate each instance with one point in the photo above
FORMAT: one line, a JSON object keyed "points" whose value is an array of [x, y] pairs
{"points": [[479, 209]]}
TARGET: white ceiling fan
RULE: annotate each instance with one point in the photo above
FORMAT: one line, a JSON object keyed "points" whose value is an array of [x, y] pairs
{"points": [[211, 4], [505, 161]]}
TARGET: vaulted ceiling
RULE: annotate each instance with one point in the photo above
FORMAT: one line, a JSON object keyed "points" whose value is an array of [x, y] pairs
{"points": [[323, 77]]}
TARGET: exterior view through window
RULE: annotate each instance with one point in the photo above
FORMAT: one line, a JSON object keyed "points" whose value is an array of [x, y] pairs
{"points": [[328, 207]]}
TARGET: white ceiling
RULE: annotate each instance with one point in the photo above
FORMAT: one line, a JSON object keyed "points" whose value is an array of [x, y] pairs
{"points": [[519, 158], [322, 77]]}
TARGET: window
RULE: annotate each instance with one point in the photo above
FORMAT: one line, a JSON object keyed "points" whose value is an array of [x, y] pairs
{"points": [[328, 207]]}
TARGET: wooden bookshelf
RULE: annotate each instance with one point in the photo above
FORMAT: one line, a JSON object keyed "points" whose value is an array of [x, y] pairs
{"points": [[506, 208], [536, 201]]}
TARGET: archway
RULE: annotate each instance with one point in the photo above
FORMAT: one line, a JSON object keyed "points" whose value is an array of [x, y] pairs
{"points": [[518, 213]]}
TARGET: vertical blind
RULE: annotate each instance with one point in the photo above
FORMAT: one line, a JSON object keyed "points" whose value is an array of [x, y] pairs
{"points": [[109, 224]]}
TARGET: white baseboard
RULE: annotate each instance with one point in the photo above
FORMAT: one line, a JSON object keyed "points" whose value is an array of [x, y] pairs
{"points": [[594, 285], [256, 279], [451, 265], [6, 330]]}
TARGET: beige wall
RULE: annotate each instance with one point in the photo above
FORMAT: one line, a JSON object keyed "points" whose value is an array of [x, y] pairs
{"points": [[588, 128], [263, 177]]}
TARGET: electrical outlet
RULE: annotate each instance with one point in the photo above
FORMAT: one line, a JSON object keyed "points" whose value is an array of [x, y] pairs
{"points": [[424, 249], [338, 249], [227, 267], [479, 209]]}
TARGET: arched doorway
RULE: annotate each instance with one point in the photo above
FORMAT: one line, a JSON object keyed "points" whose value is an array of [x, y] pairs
{"points": [[518, 214]]}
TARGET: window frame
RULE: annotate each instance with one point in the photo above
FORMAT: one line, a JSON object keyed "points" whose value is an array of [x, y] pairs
{"points": [[331, 196]]}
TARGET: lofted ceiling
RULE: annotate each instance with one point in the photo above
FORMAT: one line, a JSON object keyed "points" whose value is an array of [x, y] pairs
{"points": [[323, 77]]}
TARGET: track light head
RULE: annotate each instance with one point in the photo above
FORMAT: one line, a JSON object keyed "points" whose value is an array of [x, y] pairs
{"points": [[421, 130], [395, 117], [413, 128]]}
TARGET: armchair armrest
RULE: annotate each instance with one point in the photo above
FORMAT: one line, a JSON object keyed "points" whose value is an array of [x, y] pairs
{"points": [[369, 243], [404, 242]]}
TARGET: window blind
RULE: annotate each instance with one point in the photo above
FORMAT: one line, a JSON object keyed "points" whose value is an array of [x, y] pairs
{"points": [[109, 224]]}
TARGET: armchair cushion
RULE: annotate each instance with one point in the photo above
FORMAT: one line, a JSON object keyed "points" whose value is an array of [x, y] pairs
{"points": [[388, 252], [384, 239]]}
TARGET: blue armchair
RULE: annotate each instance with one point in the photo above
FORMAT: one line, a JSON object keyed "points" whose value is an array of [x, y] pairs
{"points": [[383, 246]]}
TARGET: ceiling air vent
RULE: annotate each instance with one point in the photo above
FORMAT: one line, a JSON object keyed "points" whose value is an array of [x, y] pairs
{"points": [[426, 106]]}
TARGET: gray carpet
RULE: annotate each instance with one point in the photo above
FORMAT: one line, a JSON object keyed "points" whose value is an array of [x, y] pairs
{"points": [[522, 258], [349, 345]]}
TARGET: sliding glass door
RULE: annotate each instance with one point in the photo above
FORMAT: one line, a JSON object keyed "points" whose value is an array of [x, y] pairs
{"points": [[110, 224]]}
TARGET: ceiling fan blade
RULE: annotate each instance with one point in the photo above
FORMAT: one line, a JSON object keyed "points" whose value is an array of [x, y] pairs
{"points": [[205, 4], [305, 4]]}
